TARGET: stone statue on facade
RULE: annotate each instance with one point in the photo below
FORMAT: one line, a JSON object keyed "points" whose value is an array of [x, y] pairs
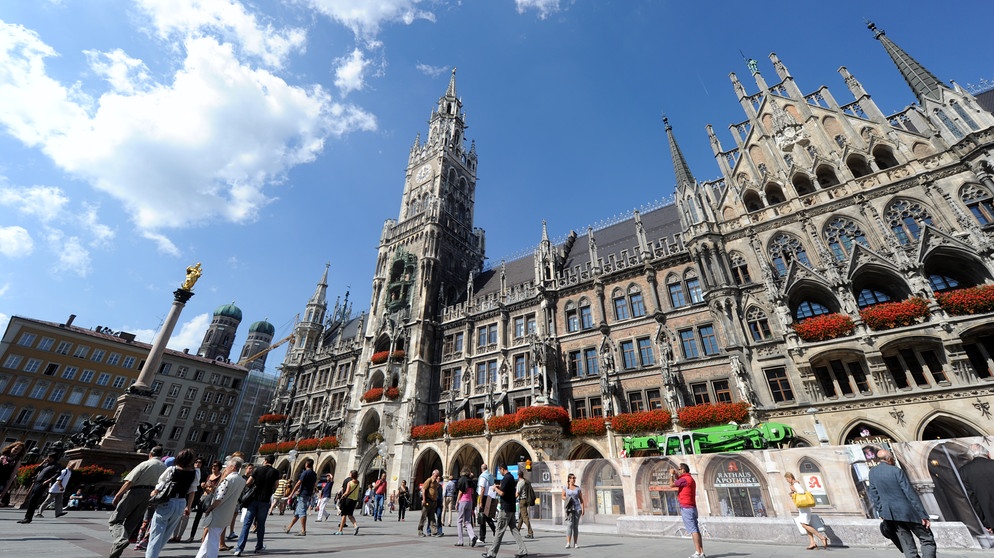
{"points": [[746, 392], [93, 432]]}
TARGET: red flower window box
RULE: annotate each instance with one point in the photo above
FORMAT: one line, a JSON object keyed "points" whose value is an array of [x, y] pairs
{"points": [[428, 431], [593, 426], [267, 449], [328, 442], [543, 415], [392, 393], [824, 327], [382, 356], [504, 423], [285, 447], [371, 395], [701, 416], [655, 420], [273, 418], [888, 315], [969, 300], [466, 427], [308, 444]]}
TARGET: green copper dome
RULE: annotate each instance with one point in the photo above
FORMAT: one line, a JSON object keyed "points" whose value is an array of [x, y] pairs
{"points": [[262, 327], [229, 311]]}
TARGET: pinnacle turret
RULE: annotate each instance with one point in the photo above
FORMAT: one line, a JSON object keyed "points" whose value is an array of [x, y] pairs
{"points": [[681, 169], [922, 82]]}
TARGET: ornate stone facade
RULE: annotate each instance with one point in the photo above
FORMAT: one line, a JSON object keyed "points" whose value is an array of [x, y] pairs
{"points": [[823, 212]]}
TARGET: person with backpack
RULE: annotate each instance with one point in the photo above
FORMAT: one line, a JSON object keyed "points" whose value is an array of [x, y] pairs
{"points": [[526, 498], [465, 488], [429, 498]]}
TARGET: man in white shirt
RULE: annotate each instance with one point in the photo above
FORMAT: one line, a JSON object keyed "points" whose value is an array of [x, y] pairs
{"points": [[485, 493], [57, 490]]}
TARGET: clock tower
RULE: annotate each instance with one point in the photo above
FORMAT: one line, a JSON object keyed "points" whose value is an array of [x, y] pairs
{"points": [[427, 258]]}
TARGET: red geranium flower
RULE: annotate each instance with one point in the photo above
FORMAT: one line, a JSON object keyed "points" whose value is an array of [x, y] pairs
{"points": [[701, 416]]}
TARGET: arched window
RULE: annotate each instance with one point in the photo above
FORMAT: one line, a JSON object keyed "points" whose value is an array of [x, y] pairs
{"points": [[586, 314], [980, 202], [810, 308], [691, 210], [841, 234], [621, 311], [948, 123], [802, 184], [635, 301], [826, 176], [572, 317], [884, 157], [858, 166], [740, 269], [784, 249], [759, 325], [869, 297], [906, 218], [752, 201], [814, 481], [693, 286], [774, 194], [609, 494], [941, 282], [963, 115]]}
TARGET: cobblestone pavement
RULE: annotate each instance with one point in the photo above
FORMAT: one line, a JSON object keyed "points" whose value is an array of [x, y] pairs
{"points": [[85, 534]]}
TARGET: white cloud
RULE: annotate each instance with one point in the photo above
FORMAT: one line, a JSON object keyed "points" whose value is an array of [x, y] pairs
{"points": [[165, 245], [71, 256], [193, 18], [545, 7], [3, 290], [42, 202], [364, 17], [4, 320], [202, 147], [15, 242], [190, 334], [432, 71], [102, 234], [123, 73], [349, 72]]}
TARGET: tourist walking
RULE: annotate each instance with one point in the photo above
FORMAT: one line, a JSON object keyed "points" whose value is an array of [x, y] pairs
{"points": [[304, 491], [686, 486], [223, 504], [448, 500], [184, 520], [805, 502], [47, 470], [526, 499], [572, 510], [264, 480], [379, 496], [505, 517], [325, 497], [484, 506], [10, 460], [57, 491], [349, 501], [131, 500], [280, 496], [403, 500], [978, 479], [465, 488], [178, 483], [897, 503], [429, 500], [203, 496]]}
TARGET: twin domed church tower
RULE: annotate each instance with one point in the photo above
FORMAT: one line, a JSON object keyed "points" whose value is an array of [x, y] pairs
{"points": [[220, 337], [823, 211]]}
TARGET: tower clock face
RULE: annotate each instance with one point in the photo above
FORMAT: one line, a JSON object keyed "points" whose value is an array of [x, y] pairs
{"points": [[424, 173]]}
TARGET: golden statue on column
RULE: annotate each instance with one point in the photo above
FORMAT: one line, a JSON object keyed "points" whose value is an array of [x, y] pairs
{"points": [[192, 274]]}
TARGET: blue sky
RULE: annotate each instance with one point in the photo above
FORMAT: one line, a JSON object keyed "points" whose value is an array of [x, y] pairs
{"points": [[267, 139]]}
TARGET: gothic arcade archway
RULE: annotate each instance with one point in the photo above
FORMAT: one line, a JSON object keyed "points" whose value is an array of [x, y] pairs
{"points": [[467, 456], [653, 495], [511, 453], [426, 462], [584, 451], [604, 485], [736, 485], [943, 427], [326, 465]]}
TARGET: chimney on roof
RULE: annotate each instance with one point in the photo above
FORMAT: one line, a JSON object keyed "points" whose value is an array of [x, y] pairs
{"points": [[70, 320], [186, 351]]}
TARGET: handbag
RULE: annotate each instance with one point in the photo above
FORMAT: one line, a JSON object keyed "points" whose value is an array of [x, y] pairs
{"points": [[803, 499], [205, 502], [160, 497], [247, 497]]}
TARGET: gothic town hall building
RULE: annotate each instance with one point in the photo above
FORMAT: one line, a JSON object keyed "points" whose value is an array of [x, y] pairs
{"points": [[833, 278]]}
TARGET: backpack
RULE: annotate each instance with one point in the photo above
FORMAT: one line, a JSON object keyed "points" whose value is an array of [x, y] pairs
{"points": [[528, 493]]}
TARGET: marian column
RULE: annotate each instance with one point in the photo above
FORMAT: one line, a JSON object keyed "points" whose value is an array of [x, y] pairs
{"points": [[131, 405]]}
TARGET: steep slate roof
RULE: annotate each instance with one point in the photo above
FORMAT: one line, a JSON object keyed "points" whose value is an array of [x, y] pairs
{"points": [[662, 223], [986, 100], [347, 331]]}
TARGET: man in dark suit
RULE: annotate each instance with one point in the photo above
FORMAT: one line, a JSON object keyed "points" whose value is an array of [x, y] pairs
{"points": [[897, 503], [977, 477]]}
